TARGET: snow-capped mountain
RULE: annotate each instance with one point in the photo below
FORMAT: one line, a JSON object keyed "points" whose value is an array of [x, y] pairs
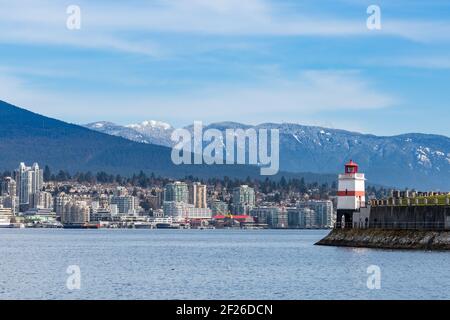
{"points": [[156, 132], [150, 132], [150, 125], [408, 160]]}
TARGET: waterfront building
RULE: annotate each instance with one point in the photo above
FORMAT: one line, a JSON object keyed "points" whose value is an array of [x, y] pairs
{"points": [[197, 213], [243, 199], [174, 209], [310, 218], [159, 213], [197, 195], [29, 181], [273, 216], [125, 204], [41, 217], [103, 201], [177, 192], [301, 218], [219, 207], [156, 198], [182, 211], [60, 203], [75, 212], [10, 202], [39, 212], [323, 212], [95, 206], [114, 209], [100, 215], [8, 194], [296, 218], [6, 215], [42, 200], [233, 221], [8, 187]]}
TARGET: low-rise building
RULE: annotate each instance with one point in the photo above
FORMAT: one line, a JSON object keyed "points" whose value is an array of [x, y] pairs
{"points": [[273, 216]]}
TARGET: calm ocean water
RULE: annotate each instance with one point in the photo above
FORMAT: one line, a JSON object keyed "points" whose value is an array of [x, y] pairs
{"points": [[209, 264]]}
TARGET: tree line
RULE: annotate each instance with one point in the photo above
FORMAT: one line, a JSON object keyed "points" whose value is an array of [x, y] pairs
{"points": [[281, 187]]}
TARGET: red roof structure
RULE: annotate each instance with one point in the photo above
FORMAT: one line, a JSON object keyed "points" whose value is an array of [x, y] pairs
{"points": [[351, 167], [235, 217]]}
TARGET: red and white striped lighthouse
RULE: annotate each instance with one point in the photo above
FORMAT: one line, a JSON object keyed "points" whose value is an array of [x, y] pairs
{"points": [[351, 194]]}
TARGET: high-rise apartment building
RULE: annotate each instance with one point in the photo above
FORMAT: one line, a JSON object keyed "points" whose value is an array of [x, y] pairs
{"points": [[60, 203], [8, 187], [41, 200], [177, 192], [311, 214], [176, 210], [29, 181], [243, 199], [323, 212], [156, 198], [8, 194], [274, 217], [219, 208], [125, 204], [197, 195], [75, 212]]}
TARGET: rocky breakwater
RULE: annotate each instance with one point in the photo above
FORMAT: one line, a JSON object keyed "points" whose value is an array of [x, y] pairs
{"points": [[388, 239]]}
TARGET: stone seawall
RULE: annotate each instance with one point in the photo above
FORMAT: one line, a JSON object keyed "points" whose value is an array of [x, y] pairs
{"points": [[417, 217], [388, 239]]}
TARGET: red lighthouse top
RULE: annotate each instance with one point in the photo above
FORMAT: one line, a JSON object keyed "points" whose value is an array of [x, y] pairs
{"points": [[351, 167]]}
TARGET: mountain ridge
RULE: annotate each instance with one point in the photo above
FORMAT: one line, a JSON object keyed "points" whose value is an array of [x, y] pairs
{"points": [[274, 124], [30, 137], [415, 160]]}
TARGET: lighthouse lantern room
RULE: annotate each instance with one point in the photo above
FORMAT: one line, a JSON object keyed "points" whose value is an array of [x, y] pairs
{"points": [[351, 194]]}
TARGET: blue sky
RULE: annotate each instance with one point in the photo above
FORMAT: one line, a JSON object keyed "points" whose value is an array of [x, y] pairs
{"points": [[253, 61]]}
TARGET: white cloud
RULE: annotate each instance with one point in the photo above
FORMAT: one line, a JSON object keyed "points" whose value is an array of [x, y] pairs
{"points": [[309, 93], [276, 99], [418, 30], [125, 27], [420, 62], [33, 23]]}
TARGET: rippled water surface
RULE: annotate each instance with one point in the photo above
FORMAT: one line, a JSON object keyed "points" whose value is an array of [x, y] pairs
{"points": [[209, 264]]}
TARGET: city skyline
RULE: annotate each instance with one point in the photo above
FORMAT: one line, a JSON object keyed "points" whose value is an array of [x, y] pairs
{"points": [[38, 199], [256, 62]]}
